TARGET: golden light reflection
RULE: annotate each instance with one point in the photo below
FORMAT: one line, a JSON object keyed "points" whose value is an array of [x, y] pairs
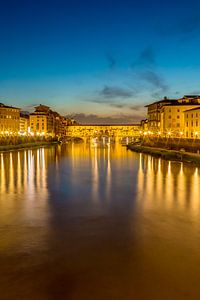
{"points": [[168, 185], [19, 173], [11, 174], [3, 179], [108, 174], [23, 174], [95, 174]]}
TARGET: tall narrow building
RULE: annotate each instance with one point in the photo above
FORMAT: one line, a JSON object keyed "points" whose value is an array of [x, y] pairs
{"points": [[9, 120]]}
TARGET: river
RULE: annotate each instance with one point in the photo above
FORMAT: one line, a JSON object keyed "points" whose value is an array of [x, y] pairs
{"points": [[82, 222]]}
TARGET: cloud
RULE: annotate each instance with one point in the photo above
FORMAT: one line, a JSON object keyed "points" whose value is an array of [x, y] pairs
{"points": [[114, 119], [145, 68], [147, 58], [109, 92], [112, 62], [136, 107], [116, 97], [188, 26], [29, 107], [156, 80]]}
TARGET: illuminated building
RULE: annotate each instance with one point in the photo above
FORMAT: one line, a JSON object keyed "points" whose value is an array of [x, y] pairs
{"points": [[192, 123], [42, 121], [9, 120], [144, 125], [173, 117], [154, 113], [166, 117], [46, 122], [24, 124]]}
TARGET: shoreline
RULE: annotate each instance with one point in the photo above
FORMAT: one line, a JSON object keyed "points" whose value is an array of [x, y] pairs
{"points": [[174, 155], [8, 148]]}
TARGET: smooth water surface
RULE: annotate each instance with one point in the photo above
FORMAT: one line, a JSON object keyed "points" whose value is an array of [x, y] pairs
{"points": [[82, 222]]}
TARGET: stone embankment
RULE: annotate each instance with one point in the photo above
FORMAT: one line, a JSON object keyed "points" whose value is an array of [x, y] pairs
{"points": [[181, 156], [29, 145]]}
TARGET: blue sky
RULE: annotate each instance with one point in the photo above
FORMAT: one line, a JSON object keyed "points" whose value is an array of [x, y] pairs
{"points": [[98, 59]]}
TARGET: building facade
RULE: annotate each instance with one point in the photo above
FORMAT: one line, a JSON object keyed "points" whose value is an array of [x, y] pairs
{"points": [[173, 119], [46, 122], [154, 114], [24, 127], [192, 123], [9, 120], [42, 121], [167, 117]]}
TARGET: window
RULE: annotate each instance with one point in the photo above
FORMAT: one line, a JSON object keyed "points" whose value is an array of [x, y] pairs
{"points": [[191, 123], [186, 124], [187, 116], [178, 117], [197, 115], [197, 123], [178, 110], [170, 110], [178, 125], [170, 117]]}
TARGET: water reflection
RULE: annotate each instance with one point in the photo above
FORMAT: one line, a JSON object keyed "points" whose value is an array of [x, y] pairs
{"points": [[119, 217], [168, 184], [159, 183], [24, 191]]}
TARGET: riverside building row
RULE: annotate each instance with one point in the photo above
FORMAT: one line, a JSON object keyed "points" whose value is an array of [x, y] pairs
{"points": [[174, 117], [42, 122]]}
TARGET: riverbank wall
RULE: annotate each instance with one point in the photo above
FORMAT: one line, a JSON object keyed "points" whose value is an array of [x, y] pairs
{"points": [[15, 143], [166, 154], [169, 143]]}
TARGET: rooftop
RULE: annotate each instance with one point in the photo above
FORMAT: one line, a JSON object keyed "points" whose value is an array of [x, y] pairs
{"points": [[166, 100], [196, 108], [183, 104], [191, 96], [7, 106]]}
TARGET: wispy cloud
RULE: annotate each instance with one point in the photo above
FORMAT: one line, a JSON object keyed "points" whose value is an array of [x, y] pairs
{"points": [[186, 27], [155, 79], [29, 107], [115, 119], [146, 69], [112, 62], [116, 97], [146, 58], [112, 92]]}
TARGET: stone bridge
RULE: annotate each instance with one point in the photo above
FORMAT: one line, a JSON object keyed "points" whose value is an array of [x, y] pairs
{"points": [[113, 131]]}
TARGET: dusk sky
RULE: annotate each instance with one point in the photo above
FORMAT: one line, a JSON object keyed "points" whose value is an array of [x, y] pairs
{"points": [[98, 60]]}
